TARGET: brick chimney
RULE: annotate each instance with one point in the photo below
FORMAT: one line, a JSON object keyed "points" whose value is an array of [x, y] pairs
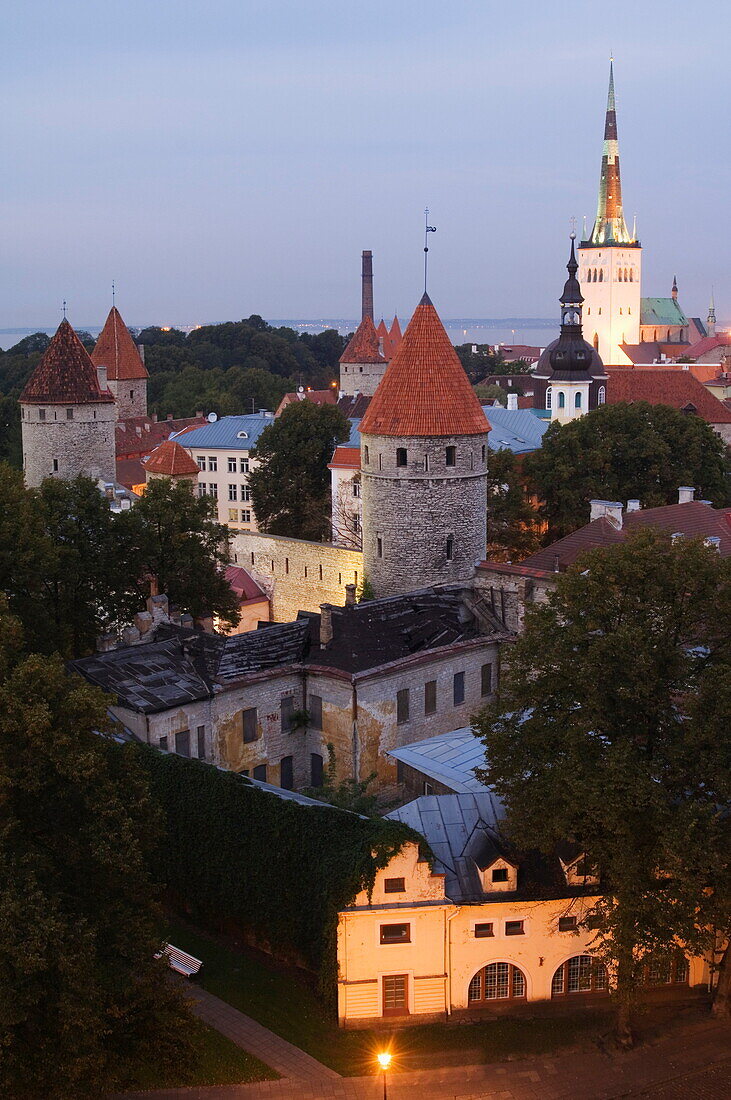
{"points": [[350, 595], [610, 508], [101, 373], [367, 291], [326, 624]]}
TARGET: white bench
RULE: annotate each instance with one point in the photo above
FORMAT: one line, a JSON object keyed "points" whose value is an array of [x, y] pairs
{"points": [[180, 960]]}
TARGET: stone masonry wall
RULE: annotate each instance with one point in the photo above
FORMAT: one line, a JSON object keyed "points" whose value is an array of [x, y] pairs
{"points": [[81, 445], [361, 378], [297, 575], [130, 396], [414, 509]]}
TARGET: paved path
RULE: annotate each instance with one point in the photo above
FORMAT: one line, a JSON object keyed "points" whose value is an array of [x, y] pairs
{"points": [[692, 1064]]}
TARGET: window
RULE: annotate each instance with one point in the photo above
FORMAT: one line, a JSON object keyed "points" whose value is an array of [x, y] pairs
{"points": [[69, 414], [245, 493], [356, 488], [486, 680], [182, 743], [41, 414], [201, 735], [582, 974], [567, 924], [233, 492], [561, 400], [379, 546], [243, 466], [401, 458], [286, 773], [426, 788], [245, 515], [55, 465], [233, 515], [450, 548], [213, 490], [500, 874], [549, 397], [317, 773], [666, 970], [395, 933], [380, 461], [451, 456], [484, 930], [260, 773], [286, 711], [497, 982], [251, 725], [163, 742], [514, 928], [395, 995], [212, 463], [458, 689], [314, 709], [602, 395], [202, 488], [577, 399], [366, 456], [394, 886], [232, 465], [320, 572], [402, 706], [483, 452], [430, 697]]}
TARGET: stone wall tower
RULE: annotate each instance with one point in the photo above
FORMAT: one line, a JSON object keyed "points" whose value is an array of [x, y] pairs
{"points": [[126, 373], [423, 466], [610, 259], [67, 415]]}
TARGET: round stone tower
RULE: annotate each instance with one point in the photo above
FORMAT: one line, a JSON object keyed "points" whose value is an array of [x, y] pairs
{"points": [[423, 466], [67, 416]]}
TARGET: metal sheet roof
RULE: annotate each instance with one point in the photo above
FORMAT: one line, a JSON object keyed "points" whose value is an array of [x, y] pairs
{"points": [[661, 311], [226, 433], [449, 758], [516, 430]]}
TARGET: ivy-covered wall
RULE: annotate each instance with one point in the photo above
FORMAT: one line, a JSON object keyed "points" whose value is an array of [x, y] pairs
{"points": [[233, 855]]}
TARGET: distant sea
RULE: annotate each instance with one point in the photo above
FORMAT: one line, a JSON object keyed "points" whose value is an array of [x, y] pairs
{"points": [[535, 331]]}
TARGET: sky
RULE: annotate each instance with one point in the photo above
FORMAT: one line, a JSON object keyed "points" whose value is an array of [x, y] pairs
{"points": [[228, 157]]}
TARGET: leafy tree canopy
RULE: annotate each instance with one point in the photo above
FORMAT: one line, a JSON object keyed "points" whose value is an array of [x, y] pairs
{"points": [[613, 730], [82, 997], [623, 452], [290, 486], [513, 524]]}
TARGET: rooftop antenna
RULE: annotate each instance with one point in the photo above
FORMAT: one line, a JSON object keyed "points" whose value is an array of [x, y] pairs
{"points": [[427, 230], [63, 307], [585, 237]]}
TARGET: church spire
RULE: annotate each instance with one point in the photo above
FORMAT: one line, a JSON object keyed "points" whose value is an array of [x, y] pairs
{"points": [[609, 226], [711, 321]]}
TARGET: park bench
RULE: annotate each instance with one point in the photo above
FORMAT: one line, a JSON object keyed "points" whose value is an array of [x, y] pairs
{"points": [[181, 961]]}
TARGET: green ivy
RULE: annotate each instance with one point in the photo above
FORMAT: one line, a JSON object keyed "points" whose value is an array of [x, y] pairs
{"points": [[233, 856]]}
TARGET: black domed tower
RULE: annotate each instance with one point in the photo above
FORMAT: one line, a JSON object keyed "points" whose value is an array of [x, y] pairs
{"points": [[569, 377]]}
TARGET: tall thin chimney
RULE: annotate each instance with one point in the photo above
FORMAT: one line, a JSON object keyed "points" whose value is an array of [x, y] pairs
{"points": [[367, 293]]}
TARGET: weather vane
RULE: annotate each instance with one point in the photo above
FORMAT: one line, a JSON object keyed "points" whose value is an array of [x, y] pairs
{"points": [[427, 230], [113, 289], [572, 221], [63, 307]]}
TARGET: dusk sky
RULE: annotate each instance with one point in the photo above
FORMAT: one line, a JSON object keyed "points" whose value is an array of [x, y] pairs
{"points": [[232, 157]]}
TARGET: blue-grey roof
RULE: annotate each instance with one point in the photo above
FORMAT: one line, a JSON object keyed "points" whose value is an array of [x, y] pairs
{"points": [[458, 828], [354, 438], [448, 758], [226, 433], [516, 430]]}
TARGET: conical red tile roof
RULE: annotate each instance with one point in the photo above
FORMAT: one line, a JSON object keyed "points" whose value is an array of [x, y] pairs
{"points": [[170, 459], [395, 330], [116, 350], [425, 391], [381, 331], [363, 348], [65, 374]]}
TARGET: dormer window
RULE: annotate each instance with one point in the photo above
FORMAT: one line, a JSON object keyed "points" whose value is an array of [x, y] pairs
{"points": [[578, 872], [499, 875]]}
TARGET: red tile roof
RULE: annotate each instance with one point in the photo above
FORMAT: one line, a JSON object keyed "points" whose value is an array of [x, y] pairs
{"points": [[170, 459], [318, 397], [243, 584], [65, 374], [130, 472], [116, 350], [425, 391], [137, 436], [708, 343], [363, 347], [665, 386], [347, 458]]}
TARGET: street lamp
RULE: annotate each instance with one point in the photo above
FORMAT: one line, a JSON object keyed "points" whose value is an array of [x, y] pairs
{"points": [[384, 1061]]}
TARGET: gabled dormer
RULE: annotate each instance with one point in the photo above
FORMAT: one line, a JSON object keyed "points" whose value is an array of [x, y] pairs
{"points": [[576, 869], [497, 870]]}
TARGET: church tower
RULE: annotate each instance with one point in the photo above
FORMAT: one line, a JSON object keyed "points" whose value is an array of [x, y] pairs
{"points": [[126, 373], [67, 415], [423, 458], [610, 259], [711, 320]]}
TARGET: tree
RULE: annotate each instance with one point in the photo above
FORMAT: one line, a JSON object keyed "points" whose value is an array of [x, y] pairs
{"points": [[513, 524], [348, 794], [176, 537], [625, 451], [81, 995], [290, 486], [601, 736]]}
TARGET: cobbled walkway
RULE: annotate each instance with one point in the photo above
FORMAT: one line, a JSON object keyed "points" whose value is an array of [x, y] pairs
{"points": [[694, 1063]]}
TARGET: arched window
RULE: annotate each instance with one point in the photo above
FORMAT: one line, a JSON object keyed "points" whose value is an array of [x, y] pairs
{"points": [[601, 275], [582, 974], [497, 982], [561, 399], [549, 397], [619, 275], [602, 395], [626, 275], [577, 399], [668, 335], [596, 341], [631, 274]]}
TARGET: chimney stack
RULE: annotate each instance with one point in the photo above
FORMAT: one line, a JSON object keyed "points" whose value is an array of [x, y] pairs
{"points": [[326, 624], [686, 493], [610, 508], [101, 373], [512, 401], [633, 506], [350, 595], [367, 291]]}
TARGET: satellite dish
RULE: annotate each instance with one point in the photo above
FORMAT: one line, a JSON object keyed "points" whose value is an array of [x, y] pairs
{"points": [[212, 418]]}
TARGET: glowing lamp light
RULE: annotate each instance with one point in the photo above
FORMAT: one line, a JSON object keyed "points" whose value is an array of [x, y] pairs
{"points": [[384, 1060]]}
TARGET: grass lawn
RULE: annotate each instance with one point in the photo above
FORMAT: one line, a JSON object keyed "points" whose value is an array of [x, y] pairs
{"points": [[281, 1001], [218, 1062]]}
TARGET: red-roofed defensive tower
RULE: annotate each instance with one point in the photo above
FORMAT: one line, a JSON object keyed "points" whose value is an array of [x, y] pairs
{"points": [[67, 415], [423, 466], [126, 373]]}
